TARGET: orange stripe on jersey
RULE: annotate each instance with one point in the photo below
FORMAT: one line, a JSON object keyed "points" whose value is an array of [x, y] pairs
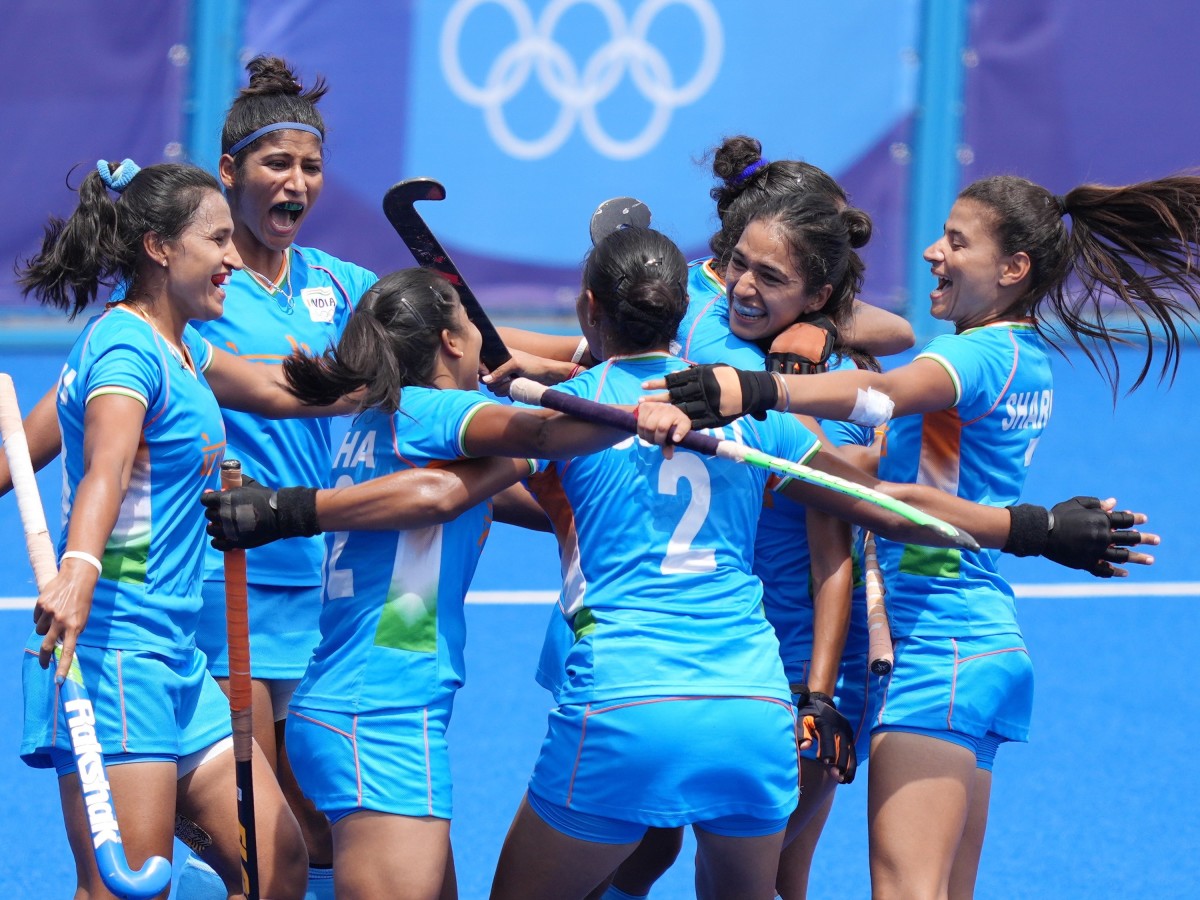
{"points": [[941, 450], [546, 487]]}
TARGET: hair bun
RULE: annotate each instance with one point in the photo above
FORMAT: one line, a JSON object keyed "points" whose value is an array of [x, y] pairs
{"points": [[858, 224]]}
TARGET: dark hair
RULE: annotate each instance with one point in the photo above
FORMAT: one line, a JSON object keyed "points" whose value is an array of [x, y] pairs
{"points": [[273, 95], [639, 279], [740, 192], [823, 237], [101, 242], [1134, 245], [390, 342]]}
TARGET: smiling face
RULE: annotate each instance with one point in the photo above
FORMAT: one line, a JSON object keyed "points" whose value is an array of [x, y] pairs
{"points": [[271, 194], [200, 261], [766, 292], [976, 282]]}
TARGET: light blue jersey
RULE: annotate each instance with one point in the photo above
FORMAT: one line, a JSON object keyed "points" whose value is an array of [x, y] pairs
{"points": [[979, 449], [148, 596], [666, 602], [282, 452], [704, 335], [392, 626], [781, 555]]}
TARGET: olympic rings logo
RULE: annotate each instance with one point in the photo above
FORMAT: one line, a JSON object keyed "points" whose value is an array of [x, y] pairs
{"points": [[579, 92]]}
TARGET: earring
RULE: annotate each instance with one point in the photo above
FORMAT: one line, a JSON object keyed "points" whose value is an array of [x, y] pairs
{"points": [[164, 263]]}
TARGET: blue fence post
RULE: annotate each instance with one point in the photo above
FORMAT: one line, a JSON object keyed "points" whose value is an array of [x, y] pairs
{"points": [[937, 147], [215, 67]]}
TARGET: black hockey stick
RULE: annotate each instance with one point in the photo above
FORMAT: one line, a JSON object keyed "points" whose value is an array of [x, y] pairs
{"points": [[400, 209], [617, 213]]}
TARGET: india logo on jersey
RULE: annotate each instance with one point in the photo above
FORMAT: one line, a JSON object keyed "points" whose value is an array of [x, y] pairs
{"points": [[320, 302]]}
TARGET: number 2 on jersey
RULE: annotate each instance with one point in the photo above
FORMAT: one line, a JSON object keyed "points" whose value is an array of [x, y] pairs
{"points": [[681, 557]]}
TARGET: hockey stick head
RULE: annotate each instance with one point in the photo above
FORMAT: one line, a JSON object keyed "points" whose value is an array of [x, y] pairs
{"points": [[403, 194], [617, 213]]}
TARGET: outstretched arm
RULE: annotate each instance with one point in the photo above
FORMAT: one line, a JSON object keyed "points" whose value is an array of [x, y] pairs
{"points": [[877, 331], [255, 514], [1082, 533], [262, 389]]}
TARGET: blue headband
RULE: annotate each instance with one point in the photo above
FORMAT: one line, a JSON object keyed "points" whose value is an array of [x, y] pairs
{"points": [[267, 129], [750, 170], [119, 180]]}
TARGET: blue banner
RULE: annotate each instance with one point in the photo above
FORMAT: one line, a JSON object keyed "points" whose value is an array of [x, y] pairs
{"points": [[532, 112], [82, 81]]}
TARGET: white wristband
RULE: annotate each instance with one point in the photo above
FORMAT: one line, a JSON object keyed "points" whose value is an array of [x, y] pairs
{"points": [[580, 350], [872, 408], [85, 557]]}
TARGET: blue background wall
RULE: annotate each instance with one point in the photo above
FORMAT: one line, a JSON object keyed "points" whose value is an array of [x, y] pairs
{"points": [[902, 101]]}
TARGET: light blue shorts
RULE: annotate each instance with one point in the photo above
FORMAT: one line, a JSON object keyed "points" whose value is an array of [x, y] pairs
{"points": [[148, 706], [669, 761], [393, 761], [976, 686], [284, 629], [857, 696]]}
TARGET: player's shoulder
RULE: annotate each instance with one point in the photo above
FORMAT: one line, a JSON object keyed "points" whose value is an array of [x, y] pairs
{"points": [[315, 258]]}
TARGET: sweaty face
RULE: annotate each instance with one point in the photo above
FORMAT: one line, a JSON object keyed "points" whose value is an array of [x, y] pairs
{"points": [[201, 259], [278, 183], [967, 263], [766, 293]]}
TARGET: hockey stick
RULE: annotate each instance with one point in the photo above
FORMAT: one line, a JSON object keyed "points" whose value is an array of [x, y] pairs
{"points": [[399, 205], [531, 392], [241, 712], [118, 877], [879, 633], [617, 213]]}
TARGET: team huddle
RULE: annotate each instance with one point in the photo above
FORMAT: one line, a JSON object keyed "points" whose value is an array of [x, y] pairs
{"points": [[708, 656]]}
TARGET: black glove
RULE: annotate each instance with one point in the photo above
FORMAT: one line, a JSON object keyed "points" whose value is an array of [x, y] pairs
{"points": [[1076, 533], [803, 348], [834, 737], [695, 391], [253, 515]]}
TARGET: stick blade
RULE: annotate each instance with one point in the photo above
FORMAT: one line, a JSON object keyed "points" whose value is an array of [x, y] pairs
{"points": [[617, 213], [403, 194]]}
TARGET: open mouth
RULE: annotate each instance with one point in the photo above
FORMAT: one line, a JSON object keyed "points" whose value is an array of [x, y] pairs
{"points": [[220, 280], [747, 312], [284, 215]]}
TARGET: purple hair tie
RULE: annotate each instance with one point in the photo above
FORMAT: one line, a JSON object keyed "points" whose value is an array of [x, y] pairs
{"points": [[750, 170], [274, 126]]}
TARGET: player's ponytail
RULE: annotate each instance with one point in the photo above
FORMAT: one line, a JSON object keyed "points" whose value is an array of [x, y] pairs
{"points": [[1096, 248], [390, 342], [101, 242]]}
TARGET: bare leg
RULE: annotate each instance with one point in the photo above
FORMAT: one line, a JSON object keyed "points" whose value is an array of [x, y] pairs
{"points": [[269, 734], [654, 855], [918, 795], [208, 796], [736, 868], [539, 862], [143, 796], [966, 861], [804, 829], [380, 856]]}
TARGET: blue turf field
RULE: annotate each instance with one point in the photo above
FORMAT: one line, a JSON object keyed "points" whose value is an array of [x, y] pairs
{"points": [[1099, 804]]}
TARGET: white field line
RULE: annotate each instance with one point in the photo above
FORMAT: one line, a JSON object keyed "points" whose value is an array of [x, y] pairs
{"points": [[1084, 590]]}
